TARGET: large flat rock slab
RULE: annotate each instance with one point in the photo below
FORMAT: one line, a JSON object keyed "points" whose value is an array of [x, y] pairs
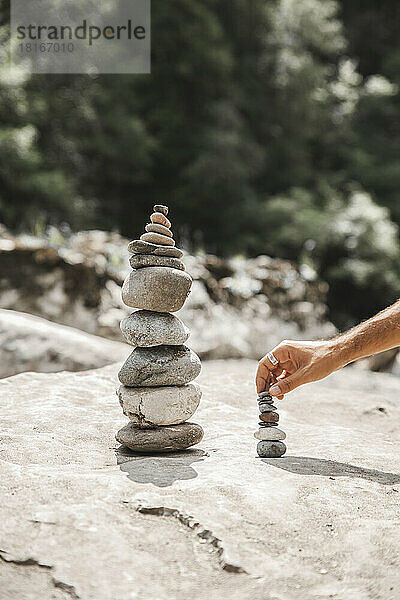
{"points": [[29, 343], [84, 518]]}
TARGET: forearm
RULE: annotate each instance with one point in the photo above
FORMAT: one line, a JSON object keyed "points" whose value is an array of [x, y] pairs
{"points": [[379, 333]]}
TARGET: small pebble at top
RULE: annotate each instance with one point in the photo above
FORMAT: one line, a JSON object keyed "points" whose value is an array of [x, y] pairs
{"points": [[161, 209], [265, 395]]}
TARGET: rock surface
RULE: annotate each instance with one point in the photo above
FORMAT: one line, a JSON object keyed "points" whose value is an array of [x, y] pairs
{"points": [[29, 343], [160, 365], [160, 289], [146, 328], [163, 439], [148, 407], [83, 518]]}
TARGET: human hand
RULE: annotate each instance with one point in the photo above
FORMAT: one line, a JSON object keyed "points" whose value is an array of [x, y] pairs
{"points": [[299, 363]]}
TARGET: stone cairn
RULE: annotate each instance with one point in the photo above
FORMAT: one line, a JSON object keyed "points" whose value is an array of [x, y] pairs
{"points": [[270, 438], [156, 393]]}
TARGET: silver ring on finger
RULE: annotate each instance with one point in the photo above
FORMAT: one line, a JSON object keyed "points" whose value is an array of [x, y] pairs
{"points": [[272, 359]]}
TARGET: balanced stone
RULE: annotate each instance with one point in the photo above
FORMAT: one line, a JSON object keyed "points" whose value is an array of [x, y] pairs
{"points": [[162, 439], [161, 289], [138, 261], [161, 209], [147, 328], [267, 449], [141, 247], [264, 407], [157, 228], [151, 407], [269, 433], [265, 396], [158, 217], [157, 238], [265, 401], [269, 417], [160, 365]]}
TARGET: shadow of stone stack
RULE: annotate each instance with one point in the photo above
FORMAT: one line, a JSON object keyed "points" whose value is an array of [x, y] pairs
{"points": [[156, 393]]}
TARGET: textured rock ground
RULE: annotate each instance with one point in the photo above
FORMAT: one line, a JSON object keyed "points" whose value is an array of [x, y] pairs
{"points": [[82, 518], [29, 343]]}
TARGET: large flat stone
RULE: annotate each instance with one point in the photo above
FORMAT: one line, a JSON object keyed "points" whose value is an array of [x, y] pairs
{"points": [[163, 439], [161, 289], [160, 365], [147, 328], [148, 407], [82, 517], [29, 343]]}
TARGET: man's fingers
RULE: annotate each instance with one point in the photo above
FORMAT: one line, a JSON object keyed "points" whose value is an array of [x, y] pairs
{"points": [[262, 376], [268, 372], [286, 384]]}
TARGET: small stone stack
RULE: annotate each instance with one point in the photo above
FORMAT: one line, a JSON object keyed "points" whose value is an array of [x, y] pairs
{"points": [[156, 393], [270, 438]]}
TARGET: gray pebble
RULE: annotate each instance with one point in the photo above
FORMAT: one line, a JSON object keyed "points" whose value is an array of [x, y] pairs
{"points": [[141, 247], [265, 395], [160, 289], [160, 439], [160, 366], [146, 328], [264, 407], [138, 261], [269, 449]]}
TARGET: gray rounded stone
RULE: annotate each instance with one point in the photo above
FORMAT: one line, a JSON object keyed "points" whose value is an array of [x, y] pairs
{"points": [[267, 449], [270, 434], [146, 328], [157, 238], [160, 289], [160, 365], [157, 228], [141, 247], [155, 406], [161, 439], [138, 261], [264, 407]]}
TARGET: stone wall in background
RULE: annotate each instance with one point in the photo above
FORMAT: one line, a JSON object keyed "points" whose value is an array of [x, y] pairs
{"points": [[237, 308]]}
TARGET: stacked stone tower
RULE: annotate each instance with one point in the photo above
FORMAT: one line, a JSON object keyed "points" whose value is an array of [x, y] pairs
{"points": [[270, 438], [156, 393]]}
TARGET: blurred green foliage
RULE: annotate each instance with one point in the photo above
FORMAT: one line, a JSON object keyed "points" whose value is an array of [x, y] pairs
{"points": [[267, 127]]}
